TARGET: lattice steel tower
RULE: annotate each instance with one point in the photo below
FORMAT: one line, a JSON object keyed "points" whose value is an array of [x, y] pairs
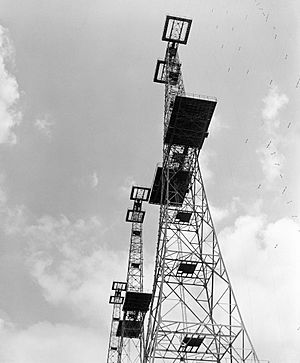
{"points": [[194, 316], [126, 340]]}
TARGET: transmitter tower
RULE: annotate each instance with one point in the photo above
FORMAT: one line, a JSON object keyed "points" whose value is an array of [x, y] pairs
{"points": [[194, 316], [126, 340]]}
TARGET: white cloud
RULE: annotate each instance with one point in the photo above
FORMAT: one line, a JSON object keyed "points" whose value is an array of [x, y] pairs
{"points": [[207, 154], [71, 266], [74, 269], [271, 154], [3, 196], [13, 218], [217, 124], [48, 343], [94, 180], [91, 181], [44, 126], [219, 214], [67, 259], [262, 258], [272, 165], [274, 102], [205, 159], [9, 93]]}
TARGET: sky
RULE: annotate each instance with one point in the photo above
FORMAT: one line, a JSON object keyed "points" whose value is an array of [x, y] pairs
{"points": [[81, 122]]}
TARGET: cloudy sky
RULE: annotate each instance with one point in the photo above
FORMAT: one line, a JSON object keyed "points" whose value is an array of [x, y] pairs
{"points": [[81, 121]]}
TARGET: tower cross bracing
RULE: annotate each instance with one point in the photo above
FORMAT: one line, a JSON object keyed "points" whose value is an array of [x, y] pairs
{"points": [[194, 316], [127, 327]]}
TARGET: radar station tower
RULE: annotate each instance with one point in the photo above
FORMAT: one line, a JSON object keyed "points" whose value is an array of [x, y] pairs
{"points": [[194, 316], [126, 340]]}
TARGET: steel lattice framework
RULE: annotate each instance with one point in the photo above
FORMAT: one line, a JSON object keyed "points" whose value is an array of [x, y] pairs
{"points": [[194, 316], [114, 339], [127, 333]]}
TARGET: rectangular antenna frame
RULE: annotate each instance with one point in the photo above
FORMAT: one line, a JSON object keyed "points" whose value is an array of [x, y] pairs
{"points": [[119, 285], [135, 216], [140, 193], [176, 29]]}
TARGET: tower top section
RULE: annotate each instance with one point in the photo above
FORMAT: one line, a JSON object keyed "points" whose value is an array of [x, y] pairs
{"points": [[176, 29]]}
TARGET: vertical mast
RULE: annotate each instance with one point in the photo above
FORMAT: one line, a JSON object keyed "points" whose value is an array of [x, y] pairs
{"points": [[127, 332], [194, 315], [114, 340]]}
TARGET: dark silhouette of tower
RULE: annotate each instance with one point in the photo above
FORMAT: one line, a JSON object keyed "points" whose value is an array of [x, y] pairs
{"points": [[194, 316], [126, 340]]}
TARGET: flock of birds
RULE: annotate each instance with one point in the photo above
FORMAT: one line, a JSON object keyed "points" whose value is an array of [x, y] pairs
{"points": [[267, 16], [274, 152], [271, 148]]}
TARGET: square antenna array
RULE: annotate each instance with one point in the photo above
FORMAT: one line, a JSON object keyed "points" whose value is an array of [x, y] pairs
{"points": [[178, 182], [135, 216], [129, 328], [160, 74], [191, 343], [176, 29], [186, 268], [183, 216], [121, 286], [137, 301], [116, 299], [189, 121], [140, 193]]}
